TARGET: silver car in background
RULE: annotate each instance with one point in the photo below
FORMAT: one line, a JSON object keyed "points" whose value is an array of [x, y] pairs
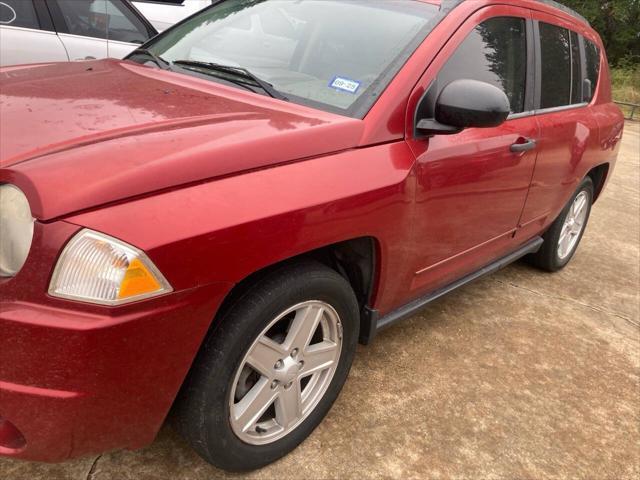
{"points": [[36, 31]]}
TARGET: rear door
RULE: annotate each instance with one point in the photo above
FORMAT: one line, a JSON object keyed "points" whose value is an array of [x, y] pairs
{"points": [[27, 34], [81, 27], [569, 136]]}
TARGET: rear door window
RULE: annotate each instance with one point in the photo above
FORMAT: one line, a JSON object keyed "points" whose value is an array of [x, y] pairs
{"points": [[561, 68], [555, 52], [496, 53], [18, 13]]}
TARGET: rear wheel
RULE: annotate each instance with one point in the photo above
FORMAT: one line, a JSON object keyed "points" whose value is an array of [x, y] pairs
{"points": [[267, 376], [563, 237]]}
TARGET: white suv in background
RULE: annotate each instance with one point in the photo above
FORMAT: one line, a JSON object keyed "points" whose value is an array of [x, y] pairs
{"points": [[33, 31], [164, 13]]}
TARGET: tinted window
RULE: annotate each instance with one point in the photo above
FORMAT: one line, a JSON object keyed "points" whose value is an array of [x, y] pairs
{"points": [[496, 53], [102, 19], [561, 82], [18, 13], [593, 68]]}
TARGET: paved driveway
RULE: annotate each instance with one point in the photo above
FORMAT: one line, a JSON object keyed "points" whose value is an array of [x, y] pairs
{"points": [[519, 375]]}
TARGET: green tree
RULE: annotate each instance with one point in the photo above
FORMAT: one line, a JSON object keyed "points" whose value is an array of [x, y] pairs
{"points": [[618, 23]]}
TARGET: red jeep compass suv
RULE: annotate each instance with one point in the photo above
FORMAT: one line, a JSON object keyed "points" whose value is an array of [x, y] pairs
{"points": [[213, 223]]}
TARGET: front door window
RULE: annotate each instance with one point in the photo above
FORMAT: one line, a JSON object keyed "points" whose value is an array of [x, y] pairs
{"points": [[496, 53]]}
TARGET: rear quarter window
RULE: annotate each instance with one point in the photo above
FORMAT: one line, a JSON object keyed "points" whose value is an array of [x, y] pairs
{"points": [[576, 69], [592, 57]]}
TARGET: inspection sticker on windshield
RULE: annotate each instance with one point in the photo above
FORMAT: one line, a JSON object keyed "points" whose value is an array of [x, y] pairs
{"points": [[345, 84]]}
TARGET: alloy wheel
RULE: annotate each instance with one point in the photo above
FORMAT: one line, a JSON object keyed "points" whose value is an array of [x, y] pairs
{"points": [[573, 226], [285, 372]]}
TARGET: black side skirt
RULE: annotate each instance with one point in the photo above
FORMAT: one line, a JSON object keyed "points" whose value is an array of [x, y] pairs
{"points": [[374, 323]]}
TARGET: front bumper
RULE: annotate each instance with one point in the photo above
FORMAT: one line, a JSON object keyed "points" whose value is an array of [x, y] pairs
{"points": [[77, 379]]}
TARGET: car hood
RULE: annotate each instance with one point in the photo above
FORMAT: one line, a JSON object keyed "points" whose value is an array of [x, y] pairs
{"points": [[80, 135]]}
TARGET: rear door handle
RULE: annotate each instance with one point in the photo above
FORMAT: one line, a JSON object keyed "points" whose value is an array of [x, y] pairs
{"points": [[525, 146]]}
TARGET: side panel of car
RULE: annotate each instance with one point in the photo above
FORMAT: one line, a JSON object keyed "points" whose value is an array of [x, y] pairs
{"points": [[27, 34], [609, 117], [84, 48], [564, 162], [467, 231], [247, 222], [18, 44], [569, 134], [611, 124], [437, 208]]}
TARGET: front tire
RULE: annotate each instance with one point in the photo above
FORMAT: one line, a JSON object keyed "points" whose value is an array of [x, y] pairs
{"points": [[563, 237], [269, 373]]}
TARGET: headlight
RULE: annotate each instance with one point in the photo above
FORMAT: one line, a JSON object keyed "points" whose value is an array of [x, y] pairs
{"points": [[16, 230], [100, 269]]}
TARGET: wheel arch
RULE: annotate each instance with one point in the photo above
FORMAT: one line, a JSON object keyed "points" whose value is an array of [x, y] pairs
{"points": [[599, 176], [356, 259]]}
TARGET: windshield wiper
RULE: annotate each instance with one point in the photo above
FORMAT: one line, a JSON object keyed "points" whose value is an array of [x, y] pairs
{"points": [[158, 60], [239, 71]]}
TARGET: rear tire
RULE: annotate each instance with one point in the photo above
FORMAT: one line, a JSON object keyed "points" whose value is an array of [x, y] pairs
{"points": [[244, 406], [563, 237]]}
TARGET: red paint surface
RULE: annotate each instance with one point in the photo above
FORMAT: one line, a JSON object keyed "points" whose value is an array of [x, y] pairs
{"points": [[215, 183]]}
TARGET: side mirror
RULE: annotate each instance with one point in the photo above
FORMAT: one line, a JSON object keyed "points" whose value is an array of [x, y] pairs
{"points": [[464, 104]]}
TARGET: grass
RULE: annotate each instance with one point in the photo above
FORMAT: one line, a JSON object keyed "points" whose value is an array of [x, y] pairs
{"points": [[625, 82]]}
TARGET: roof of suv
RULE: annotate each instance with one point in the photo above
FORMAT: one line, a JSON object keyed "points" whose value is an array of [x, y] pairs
{"points": [[448, 5], [565, 9]]}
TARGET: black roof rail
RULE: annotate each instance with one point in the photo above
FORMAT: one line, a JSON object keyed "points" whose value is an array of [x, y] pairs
{"points": [[565, 9]]}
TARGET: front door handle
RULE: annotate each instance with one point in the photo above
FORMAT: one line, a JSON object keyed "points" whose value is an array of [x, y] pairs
{"points": [[525, 146]]}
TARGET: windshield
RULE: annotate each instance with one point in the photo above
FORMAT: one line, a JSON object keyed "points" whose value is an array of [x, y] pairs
{"points": [[337, 55]]}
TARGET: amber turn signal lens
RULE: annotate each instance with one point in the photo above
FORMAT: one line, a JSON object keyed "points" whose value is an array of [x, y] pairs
{"points": [[138, 280]]}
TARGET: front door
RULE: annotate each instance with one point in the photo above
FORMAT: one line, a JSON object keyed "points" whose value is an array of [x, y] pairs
{"points": [[472, 186]]}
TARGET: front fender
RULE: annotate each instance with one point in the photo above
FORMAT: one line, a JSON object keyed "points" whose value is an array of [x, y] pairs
{"points": [[224, 230]]}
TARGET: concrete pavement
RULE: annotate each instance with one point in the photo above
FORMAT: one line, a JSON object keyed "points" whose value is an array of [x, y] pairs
{"points": [[519, 375]]}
